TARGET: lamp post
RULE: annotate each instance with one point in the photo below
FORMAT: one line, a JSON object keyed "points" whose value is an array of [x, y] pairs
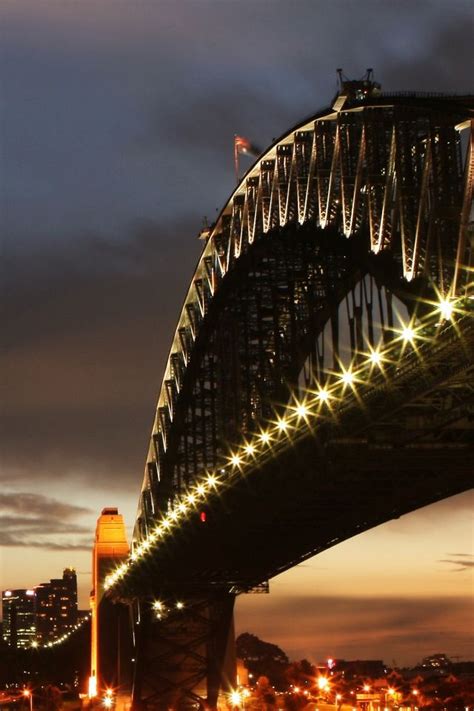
{"points": [[27, 693], [235, 698]]}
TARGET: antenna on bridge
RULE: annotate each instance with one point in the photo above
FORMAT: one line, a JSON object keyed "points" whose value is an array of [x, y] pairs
{"points": [[205, 232], [356, 89]]}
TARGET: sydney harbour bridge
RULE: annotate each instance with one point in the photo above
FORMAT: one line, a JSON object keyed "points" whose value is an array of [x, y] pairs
{"points": [[319, 381]]}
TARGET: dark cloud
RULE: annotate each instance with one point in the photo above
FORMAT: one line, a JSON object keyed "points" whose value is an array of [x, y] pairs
{"points": [[39, 525], [12, 541], [85, 350], [460, 561], [37, 521], [461, 555], [33, 504]]}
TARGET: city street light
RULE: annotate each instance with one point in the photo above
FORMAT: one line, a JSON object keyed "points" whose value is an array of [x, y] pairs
{"points": [[323, 683], [28, 695], [108, 700], [235, 698]]}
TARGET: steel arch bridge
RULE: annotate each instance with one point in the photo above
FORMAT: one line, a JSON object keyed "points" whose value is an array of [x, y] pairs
{"points": [[319, 381]]}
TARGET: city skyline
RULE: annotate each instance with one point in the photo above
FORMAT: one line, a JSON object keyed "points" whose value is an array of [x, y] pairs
{"points": [[116, 144], [42, 614]]}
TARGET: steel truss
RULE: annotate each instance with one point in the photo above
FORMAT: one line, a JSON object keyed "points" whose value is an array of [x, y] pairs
{"points": [[387, 173], [351, 215], [184, 656]]}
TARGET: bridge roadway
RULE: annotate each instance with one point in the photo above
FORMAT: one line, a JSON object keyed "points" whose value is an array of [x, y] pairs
{"points": [[341, 476]]}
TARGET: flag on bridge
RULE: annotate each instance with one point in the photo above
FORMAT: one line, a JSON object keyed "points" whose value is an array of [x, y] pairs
{"points": [[243, 145]]}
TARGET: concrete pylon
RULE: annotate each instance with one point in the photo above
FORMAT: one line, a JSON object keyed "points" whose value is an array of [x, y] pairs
{"points": [[110, 629]]}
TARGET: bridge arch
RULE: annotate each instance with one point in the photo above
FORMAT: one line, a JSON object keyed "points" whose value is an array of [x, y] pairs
{"points": [[375, 187], [371, 196]]}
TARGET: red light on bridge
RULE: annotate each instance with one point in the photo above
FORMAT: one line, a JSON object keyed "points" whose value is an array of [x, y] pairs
{"points": [[203, 516]]}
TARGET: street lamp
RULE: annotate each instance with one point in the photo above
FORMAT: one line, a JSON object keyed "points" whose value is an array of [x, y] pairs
{"points": [[108, 700], [323, 683], [28, 695], [392, 694], [235, 698]]}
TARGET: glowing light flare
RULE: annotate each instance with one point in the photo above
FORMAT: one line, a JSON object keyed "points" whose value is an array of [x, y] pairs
{"points": [[323, 683], [446, 309], [201, 489], [408, 334], [212, 480], [375, 357], [92, 687], [108, 702], [323, 395], [179, 605], [282, 425], [347, 377], [235, 698], [264, 437], [301, 410], [235, 460], [249, 449]]}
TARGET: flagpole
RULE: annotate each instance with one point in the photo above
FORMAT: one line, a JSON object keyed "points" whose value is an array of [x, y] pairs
{"points": [[236, 159]]}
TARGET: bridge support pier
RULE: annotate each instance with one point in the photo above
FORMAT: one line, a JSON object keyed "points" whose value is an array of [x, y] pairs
{"points": [[184, 653]]}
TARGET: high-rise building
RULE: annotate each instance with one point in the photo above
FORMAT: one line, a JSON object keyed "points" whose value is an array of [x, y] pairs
{"points": [[56, 607], [70, 597], [19, 617], [41, 615]]}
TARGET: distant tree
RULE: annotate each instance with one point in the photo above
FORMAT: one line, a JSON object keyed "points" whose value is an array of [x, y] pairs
{"points": [[394, 678], [53, 699], [301, 673], [265, 694], [263, 659]]}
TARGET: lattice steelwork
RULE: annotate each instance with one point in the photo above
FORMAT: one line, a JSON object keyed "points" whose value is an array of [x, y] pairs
{"points": [[320, 378], [378, 187]]}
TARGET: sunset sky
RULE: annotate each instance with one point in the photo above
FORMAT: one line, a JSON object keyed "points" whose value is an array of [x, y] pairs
{"points": [[116, 139]]}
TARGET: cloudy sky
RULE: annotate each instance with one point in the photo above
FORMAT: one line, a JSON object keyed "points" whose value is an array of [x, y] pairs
{"points": [[116, 130]]}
